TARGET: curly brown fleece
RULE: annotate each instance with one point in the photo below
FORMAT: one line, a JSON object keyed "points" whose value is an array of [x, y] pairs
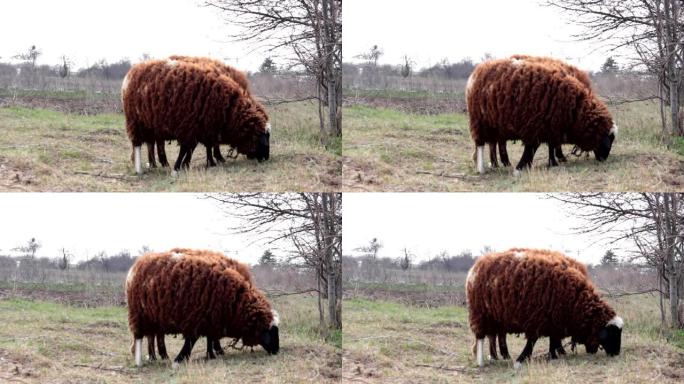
{"points": [[171, 294], [536, 101], [555, 257], [191, 103], [211, 257], [529, 292]]}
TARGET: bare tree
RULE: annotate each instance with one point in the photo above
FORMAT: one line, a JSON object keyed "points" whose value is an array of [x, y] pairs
{"points": [[372, 56], [29, 249], [651, 29], [405, 262], [371, 249], [64, 260], [30, 56], [311, 30], [407, 67], [312, 222], [653, 221], [65, 67]]}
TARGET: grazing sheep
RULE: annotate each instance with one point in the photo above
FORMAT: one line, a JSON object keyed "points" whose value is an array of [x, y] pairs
{"points": [[554, 153], [191, 103], [213, 346], [170, 293], [221, 68], [555, 344], [535, 102], [526, 291]]}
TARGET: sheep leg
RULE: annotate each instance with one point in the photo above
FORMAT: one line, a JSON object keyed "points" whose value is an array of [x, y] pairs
{"points": [[480, 159], [555, 348], [492, 155], [179, 160], [138, 352], [480, 352], [150, 155], [217, 347], [503, 347], [559, 154], [210, 348], [503, 153], [492, 347], [161, 347], [150, 348], [210, 157], [184, 354], [161, 152], [137, 160], [526, 353], [527, 157], [552, 156], [217, 154], [188, 156]]}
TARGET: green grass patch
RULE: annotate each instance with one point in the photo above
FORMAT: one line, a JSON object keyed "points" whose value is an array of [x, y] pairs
{"points": [[390, 150], [46, 150]]}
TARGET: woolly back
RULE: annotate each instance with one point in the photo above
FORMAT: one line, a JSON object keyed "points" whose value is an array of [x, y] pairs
{"points": [[217, 258], [170, 292], [213, 64], [534, 101], [536, 293], [238, 76], [190, 102], [571, 70]]}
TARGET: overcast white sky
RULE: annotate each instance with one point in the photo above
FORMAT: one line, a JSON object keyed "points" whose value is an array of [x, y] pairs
{"points": [[430, 30], [87, 223], [90, 30], [429, 223]]}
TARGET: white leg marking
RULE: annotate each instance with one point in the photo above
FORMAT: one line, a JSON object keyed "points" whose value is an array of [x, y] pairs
{"points": [[138, 352], [517, 365], [175, 365], [480, 159], [480, 352], [517, 173], [138, 159]]}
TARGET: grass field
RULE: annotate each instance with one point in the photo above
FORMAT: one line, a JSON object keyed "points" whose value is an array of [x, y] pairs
{"points": [[386, 149], [390, 342], [42, 149], [46, 342]]}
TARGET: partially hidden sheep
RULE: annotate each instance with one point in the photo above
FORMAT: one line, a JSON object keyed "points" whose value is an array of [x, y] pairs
{"points": [[555, 344], [535, 102], [238, 76], [557, 152], [191, 103], [213, 346], [524, 291], [170, 293]]}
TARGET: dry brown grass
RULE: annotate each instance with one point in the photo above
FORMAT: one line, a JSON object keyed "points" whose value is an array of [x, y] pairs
{"points": [[390, 342], [388, 150], [44, 342], [44, 150]]}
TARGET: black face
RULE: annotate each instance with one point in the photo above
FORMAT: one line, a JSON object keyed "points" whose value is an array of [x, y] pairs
{"points": [[610, 339], [262, 151], [604, 147], [270, 341]]}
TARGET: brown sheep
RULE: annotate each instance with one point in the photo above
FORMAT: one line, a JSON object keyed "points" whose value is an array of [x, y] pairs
{"points": [[554, 153], [170, 293], [535, 101], [555, 345], [528, 292], [213, 346], [175, 100], [221, 68]]}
